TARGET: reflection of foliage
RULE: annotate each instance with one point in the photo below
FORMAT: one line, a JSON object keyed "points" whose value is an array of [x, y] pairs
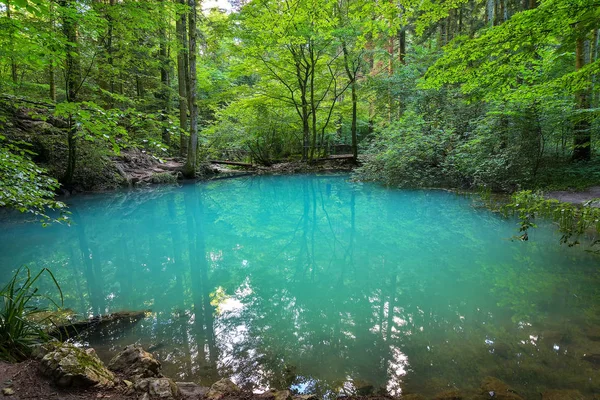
{"points": [[315, 282]]}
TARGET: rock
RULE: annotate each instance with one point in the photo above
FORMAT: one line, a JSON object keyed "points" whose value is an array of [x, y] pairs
{"points": [[222, 388], [593, 359], [191, 390], [452, 394], [412, 397], [494, 388], [157, 388], [8, 392], [69, 366], [277, 395], [135, 363], [305, 397], [562, 395]]}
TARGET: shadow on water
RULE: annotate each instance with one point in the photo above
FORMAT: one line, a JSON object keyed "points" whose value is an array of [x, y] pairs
{"points": [[325, 286]]}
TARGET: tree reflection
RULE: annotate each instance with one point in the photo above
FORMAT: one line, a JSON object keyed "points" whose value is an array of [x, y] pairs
{"points": [[321, 285]]}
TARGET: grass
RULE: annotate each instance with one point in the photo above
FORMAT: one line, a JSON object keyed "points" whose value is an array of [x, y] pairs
{"points": [[20, 331]]}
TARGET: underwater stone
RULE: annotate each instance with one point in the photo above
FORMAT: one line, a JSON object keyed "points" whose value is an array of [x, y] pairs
{"points": [[157, 388], [562, 395], [452, 394], [135, 363], [494, 388], [191, 390], [222, 388], [277, 395], [68, 365]]}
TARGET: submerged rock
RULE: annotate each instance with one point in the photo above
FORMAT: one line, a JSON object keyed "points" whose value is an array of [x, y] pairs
{"points": [[305, 397], [135, 363], [157, 388], [452, 394], [494, 388], [68, 366], [191, 390], [562, 395], [277, 395], [221, 389], [412, 397], [593, 359]]}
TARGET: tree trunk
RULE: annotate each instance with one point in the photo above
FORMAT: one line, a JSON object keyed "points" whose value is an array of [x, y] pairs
{"points": [[313, 106], [13, 63], [354, 118], [52, 81], [182, 64], [402, 46], [189, 169], [71, 81], [164, 82], [582, 132]]}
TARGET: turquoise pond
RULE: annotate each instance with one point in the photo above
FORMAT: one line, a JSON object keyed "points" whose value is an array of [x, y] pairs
{"points": [[323, 285]]}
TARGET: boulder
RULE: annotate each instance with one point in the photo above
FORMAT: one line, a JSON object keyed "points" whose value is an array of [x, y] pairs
{"points": [[157, 388], [191, 390], [69, 365], [135, 363], [562, 395], [221, 389]]}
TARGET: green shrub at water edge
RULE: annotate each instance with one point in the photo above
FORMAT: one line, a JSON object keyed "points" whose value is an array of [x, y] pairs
{"points": [[19, 330], [573, 221]]}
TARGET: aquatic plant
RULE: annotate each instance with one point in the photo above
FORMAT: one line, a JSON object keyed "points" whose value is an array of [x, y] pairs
{"points": [[20, 331]]}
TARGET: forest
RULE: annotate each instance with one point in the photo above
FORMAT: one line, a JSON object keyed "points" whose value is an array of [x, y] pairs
{"points": [[332, 265], [495, 94]]}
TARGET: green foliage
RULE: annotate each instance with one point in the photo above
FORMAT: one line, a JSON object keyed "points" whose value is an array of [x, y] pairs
{"points": [[20, 330], [573, 221], [25, 187], [406, 153]]}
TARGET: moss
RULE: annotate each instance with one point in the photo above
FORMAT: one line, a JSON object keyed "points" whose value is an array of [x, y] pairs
{"points": [[163, 177]]}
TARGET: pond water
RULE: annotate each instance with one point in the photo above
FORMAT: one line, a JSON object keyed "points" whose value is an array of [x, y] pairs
{"points": [[324, 285]]}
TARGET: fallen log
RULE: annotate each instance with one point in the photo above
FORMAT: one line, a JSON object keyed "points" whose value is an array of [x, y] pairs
{"points": [[76, 328]]}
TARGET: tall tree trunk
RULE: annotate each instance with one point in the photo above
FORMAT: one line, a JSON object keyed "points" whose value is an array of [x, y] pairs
{"points": [[71, 81], [191, 163], [313, 105], [165, 90], [51, 73], [52, 81], [402, 46], [13, 63], [182, 82], [582, 129], [354, 120]]}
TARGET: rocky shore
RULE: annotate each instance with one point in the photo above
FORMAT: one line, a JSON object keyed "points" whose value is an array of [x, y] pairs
{"points": [[66, 371]]}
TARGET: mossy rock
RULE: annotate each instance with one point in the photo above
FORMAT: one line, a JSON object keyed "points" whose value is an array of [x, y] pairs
{"points": [[163, 178], [451, 394], [69, 365], [562, 395]]}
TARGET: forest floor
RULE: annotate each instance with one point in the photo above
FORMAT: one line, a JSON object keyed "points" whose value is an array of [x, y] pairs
{"points": [[25, 382], [577, 197]]}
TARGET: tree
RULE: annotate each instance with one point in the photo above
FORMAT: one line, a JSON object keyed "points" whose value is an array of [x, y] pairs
{"points": [[192, 90]]}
